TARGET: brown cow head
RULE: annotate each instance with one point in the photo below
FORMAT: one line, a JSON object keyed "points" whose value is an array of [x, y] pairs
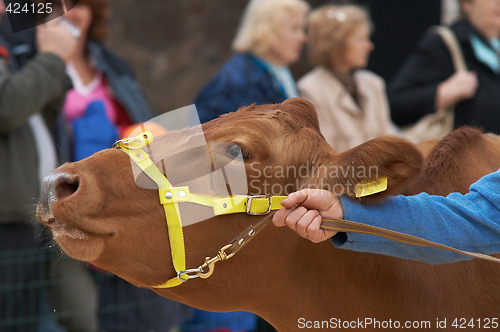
{"points": [[285, 151], [98, 214]]}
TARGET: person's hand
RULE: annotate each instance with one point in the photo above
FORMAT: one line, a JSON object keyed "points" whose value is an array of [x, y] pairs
{"points": [[55, 37], [304, 210], [460, 86]]}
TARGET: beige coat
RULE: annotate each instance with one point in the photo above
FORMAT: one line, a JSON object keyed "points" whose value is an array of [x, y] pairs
{"points": [[342, 122]]}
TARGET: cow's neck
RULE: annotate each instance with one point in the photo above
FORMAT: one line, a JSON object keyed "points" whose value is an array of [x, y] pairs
{"points": [[277, 276]]}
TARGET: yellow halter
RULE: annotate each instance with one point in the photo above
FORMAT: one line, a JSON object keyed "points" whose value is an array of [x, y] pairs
{"points": [[171, 196]]}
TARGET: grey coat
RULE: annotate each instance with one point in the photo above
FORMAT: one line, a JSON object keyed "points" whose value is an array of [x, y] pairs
{"points": [[40, 87]]}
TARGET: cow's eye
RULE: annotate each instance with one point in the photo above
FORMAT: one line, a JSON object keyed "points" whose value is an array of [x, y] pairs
{"points": [[235, 151]]}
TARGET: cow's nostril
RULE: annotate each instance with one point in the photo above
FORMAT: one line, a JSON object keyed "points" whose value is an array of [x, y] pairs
{"points": [[66, 185]]}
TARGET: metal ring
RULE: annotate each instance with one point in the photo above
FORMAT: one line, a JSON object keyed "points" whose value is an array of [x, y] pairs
{"points": [[181, 273]]}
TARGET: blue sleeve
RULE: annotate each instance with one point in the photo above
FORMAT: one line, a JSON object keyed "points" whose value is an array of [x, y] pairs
{"points": [[468, 222]]}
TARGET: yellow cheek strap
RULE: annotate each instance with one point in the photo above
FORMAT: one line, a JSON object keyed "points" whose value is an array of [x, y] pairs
{"points": [[132, 147]]}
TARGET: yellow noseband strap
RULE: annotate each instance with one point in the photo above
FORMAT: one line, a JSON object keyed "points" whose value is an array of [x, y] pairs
{"points": [[171, 196]]}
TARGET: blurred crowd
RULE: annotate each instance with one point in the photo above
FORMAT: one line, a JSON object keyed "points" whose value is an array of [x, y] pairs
{"points": [[65, 95]]}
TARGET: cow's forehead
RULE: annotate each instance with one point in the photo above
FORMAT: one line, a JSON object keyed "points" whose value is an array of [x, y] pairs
{"points": [[261, 126]]}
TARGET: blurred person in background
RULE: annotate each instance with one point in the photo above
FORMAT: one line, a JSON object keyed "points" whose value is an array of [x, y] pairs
{"points": [[104, 102], [351, 102], [30, 99], [269, 39], [427, 81], [98, 75]]}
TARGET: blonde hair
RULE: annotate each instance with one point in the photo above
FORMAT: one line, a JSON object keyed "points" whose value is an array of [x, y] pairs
{"points": [[328, 28], [260, 21]]}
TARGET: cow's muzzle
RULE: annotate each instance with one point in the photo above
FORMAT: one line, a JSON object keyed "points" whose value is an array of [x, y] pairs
{"points": [[55, 187]]}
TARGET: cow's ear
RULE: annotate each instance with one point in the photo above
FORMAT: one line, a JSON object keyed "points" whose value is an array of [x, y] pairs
{"points": [[388, 161], [302, 112]]}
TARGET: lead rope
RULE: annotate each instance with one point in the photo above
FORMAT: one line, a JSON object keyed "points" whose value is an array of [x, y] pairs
{"points": [[341, 225]]}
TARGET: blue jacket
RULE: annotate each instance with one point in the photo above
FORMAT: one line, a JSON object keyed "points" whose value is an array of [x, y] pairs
{"points": [[242, 81], [468, 222]]}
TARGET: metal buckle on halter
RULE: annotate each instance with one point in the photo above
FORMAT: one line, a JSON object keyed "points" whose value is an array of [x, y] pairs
{"points": [[249, 205], [118, 144], [189, 275], [125, 142], [136, 142]]}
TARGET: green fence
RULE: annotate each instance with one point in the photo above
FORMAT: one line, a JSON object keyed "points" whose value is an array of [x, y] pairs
{"points": [[64, 295]]}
